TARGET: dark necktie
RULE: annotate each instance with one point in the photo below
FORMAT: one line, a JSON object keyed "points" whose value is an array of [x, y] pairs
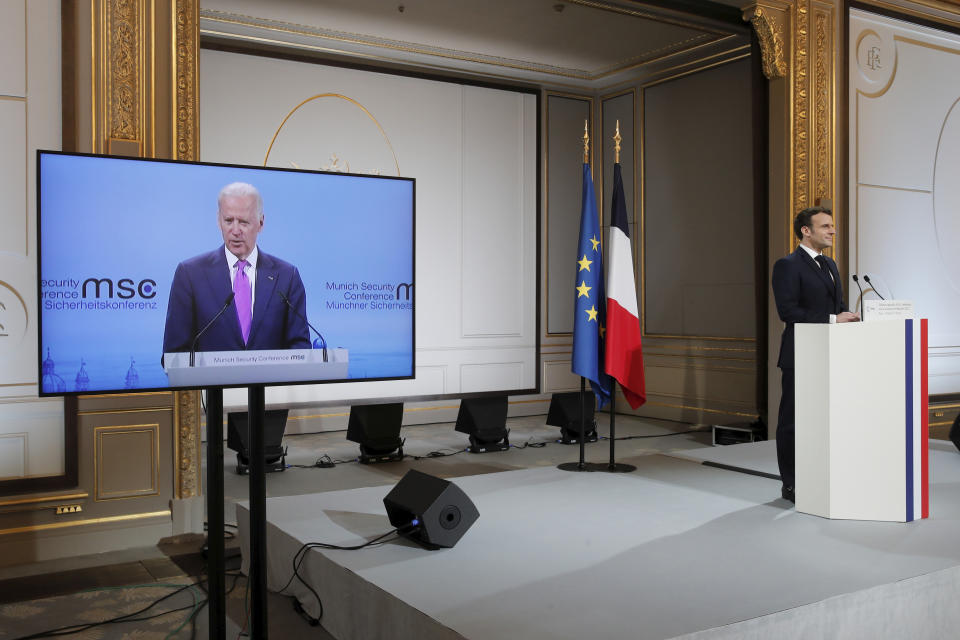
{"points": [[822, 261]]}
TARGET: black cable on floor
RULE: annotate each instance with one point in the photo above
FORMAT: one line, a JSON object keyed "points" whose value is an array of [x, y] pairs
{"points": [[657, 435], [440, 454], [301, 554], [129, 617]]}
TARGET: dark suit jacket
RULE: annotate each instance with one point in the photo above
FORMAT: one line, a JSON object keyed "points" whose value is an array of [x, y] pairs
{"points": [[804, 293], [202, 284]]}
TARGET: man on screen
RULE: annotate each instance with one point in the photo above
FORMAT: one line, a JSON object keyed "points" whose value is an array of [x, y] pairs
{"points": [[807, 288], [258, 317]]}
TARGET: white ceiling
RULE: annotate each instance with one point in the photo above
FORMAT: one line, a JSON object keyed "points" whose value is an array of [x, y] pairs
{"points": [[579, 42]]}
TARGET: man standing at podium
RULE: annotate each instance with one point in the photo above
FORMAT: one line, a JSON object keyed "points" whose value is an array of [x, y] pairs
{"points": [[267, 302], [807, 288]]}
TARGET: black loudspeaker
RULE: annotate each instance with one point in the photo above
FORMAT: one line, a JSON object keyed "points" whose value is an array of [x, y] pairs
{"points": [[376, 428], [274, 423], [485, 421], [955, 432], [431, 511], [564, 412]]}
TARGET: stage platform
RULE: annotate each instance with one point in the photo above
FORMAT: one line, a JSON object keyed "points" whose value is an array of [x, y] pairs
{"points": [[674, 549]]}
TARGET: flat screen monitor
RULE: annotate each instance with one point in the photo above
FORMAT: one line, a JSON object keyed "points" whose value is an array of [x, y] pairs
{"points": [[157, 275]]}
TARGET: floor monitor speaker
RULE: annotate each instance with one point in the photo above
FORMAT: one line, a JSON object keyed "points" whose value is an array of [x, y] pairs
{"points": [[376, 428], [430, 511], [564, 412], [484, 420], [274, 424]]}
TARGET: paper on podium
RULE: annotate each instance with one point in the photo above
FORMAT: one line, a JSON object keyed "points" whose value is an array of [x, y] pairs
{"points": [[887, 310], [224, 368]]}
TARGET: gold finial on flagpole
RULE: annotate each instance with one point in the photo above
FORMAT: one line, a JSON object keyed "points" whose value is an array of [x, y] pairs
{"points": [[616, 144], [586, 144]]}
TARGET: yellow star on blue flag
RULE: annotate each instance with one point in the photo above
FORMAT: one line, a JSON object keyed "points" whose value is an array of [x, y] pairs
{"points": [[590, 302]]}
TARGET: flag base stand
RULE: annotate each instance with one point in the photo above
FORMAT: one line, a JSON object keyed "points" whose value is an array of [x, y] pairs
{"points": [[576, 466], [616, 467]]}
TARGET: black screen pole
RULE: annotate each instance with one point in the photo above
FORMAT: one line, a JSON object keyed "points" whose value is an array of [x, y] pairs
{"points": [[258, 513], [215, 552]]}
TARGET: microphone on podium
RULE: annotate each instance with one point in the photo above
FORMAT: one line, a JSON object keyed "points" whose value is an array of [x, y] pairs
{"points": [[196, 339], [866, 278], [286, 301]]}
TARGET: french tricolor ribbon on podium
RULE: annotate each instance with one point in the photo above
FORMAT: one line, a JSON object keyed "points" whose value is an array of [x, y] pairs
{"points": [[916, 421]]}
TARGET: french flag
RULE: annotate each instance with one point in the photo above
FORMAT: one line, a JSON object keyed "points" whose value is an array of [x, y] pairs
{"points": [[624, 353]]}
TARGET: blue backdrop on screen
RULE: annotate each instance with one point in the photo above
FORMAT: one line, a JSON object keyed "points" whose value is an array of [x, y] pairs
{"points": [[112, 232]]}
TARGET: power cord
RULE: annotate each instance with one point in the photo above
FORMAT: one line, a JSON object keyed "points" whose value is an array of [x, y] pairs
{"points": [[301, 554]]}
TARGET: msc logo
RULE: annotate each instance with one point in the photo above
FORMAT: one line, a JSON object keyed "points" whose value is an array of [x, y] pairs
{"points": [[406, 288], [125, 288]]}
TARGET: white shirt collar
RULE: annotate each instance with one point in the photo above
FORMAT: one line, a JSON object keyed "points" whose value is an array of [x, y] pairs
{"points": [[232, 259], [810, 252]]}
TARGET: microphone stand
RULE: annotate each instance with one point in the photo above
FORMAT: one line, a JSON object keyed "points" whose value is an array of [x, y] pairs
{"points": [[286, 300], [856, 280], [196, 339]]}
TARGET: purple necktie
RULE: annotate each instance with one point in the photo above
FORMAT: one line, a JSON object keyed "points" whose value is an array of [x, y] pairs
{"points": [[241, 289]]}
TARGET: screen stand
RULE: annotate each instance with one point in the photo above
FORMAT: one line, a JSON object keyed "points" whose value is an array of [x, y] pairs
{"points": [[215, 550], [257, 576]]}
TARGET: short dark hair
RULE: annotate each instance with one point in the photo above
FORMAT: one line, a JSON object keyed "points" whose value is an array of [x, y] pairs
{"points": [[805, 218]]}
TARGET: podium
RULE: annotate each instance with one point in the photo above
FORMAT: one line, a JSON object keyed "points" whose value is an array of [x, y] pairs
{"points": [[227, 368], [861, 420]]}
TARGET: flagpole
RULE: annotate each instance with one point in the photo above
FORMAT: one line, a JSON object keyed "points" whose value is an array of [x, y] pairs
{"points": [[613, 466], [582, 464]]}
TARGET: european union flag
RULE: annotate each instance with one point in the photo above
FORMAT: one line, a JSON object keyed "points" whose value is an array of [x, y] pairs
{"points": [[590, 305]]}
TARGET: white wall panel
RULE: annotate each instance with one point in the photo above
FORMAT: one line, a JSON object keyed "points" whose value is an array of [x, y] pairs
{"points": [[13, 175], [13, 455], [904, 163], [490, 376], [31, 430], [492, 236], [557, 376], [40, 426], [13, 52], [473, 153]]}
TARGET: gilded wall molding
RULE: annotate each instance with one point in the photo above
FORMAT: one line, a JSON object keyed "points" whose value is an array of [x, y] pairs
{"points": [[187, 450], [186, 132], [186, 44], [770, 35], [823, 107], [124, 43], [801, 120], [822, 99]]}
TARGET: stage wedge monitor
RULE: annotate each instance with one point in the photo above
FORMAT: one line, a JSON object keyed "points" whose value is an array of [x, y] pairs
{"points": [[564, 412], [484, 420], [274, 424], [430, 511], [376, 428]]}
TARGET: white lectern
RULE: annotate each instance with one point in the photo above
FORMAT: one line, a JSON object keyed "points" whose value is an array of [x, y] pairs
{"points": [[861, 420]]}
